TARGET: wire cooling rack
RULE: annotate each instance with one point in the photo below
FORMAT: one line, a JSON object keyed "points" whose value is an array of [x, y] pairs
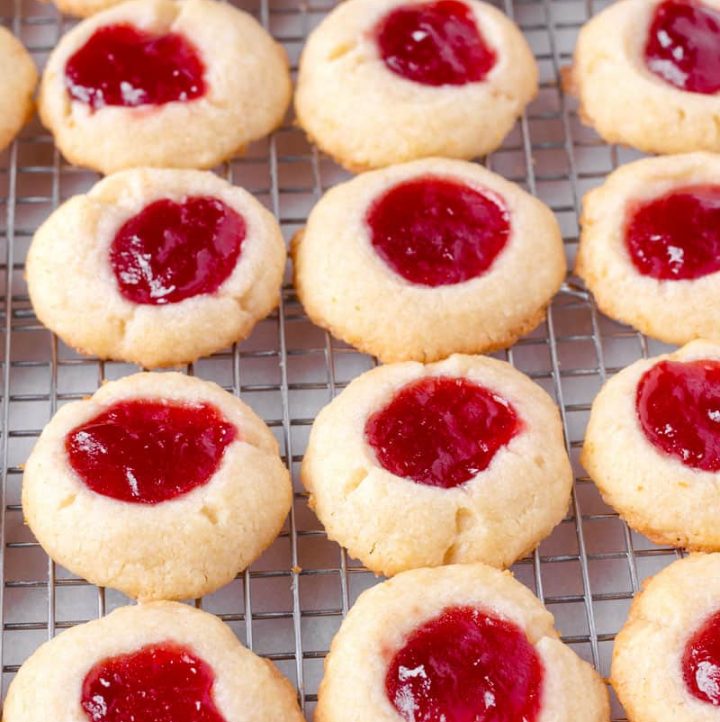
{"points": [[288, 606]]}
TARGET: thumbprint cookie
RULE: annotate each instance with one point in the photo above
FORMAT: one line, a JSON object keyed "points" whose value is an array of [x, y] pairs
{"points": [[157, 662], [388, 81], [459, 643], [17, 84], [163, 83], [653, 446], [156, 267], [650, 246], [160, 485], [648, 74], [429, 258], [666, 660], [458, 461]]}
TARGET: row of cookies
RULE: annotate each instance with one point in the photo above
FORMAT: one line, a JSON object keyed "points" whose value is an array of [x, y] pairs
{"points": [[412, 262], [380, 81]]}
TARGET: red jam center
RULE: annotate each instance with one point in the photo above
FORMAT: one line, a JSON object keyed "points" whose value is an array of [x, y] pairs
{"points": [[158, 683], [437, 232], [701, 662], [441, 431], [123, 65], [172, 251], [466, 666], [678, 405], [434, 43], [148, 452], [683, 45], [677, 236]]}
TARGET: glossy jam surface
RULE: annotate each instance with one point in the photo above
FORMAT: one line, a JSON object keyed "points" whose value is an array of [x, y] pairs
{"points": [[171, 251], [683, 45], [158, 683], [678, 405], [466, 666], [437, 232], [124, 65], [676, 236], [441, 431], [435, 43], [701, 662], [148, 452]]}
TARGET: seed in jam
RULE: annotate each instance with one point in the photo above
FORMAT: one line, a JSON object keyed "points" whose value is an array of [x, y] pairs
{"points": [[683, 45], [434, 43], [678, 405], [437, 232], [677, 235], [172, 251], [123, 65], [164, 682], [466, 666], [701, 662], [147, 452], [441, 431]]}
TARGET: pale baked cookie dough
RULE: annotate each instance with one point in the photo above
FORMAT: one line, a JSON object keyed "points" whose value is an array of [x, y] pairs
{"points": [[247, 91], [675, 310], [16, 86], [182, 546], [242, 686], [385, 618], [347, 288], [390, 521], [84, 8], [76, 292], [628, 103], [365, 115], [660, 494], [653, 671]]}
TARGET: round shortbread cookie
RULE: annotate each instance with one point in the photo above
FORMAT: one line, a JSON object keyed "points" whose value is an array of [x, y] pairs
{"points": [[640, 81], [356, 101], [455, 643], [652, 446], [458, 461], [156, 267], [666, 660], [160, 485], [428, 258], [650, 246], [16, 87], [153, 661], [175, 84]]}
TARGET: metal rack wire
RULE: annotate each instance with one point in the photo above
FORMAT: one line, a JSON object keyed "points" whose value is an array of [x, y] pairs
{"points": [[289, 604]]}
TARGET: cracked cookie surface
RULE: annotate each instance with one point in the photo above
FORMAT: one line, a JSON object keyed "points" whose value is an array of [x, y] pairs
{"points": [[398, 519]]}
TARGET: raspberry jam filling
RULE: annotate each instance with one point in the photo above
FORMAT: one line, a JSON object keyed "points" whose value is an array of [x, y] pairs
{"points": [[171, 251], [124, 65], [434, 43], [676, 236], [441, 431], [701, 662], [466, 666], [683, 46], [437, 232], [159, 683], [148, 452], [678, 405]]}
